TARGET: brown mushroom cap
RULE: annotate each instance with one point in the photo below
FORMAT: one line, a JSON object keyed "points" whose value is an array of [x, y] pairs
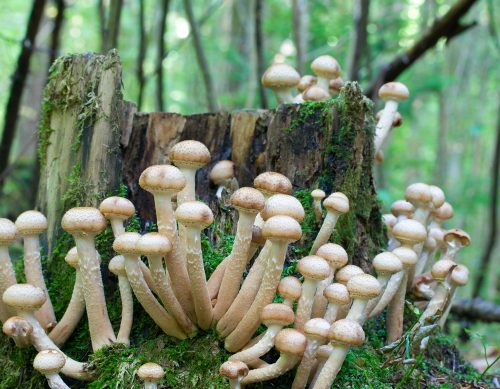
{"points": [[393, 91], [282, 228], [336, 85], [313, 267], [337, 202], [24, 297], [31, 223], [290, 341], [233, 369], [438, 197], [419, 194], [150, 372], [457, 235], [363, 286], [318, 194], [49, 362], [17, 326], [126, 243], [402, 207], [442, 268], [326, 66], [162, 179], [290, 288], [248, 200], [315, 93], [116, 207], [117, 265], [194, 214], [272, 183], [282, 204], [406, 255], [347, 332], [305, 82], [317, 328], [72, 258], [460, 275], [337, 294], [277, 314], [83, 220], [189, 154], [153, 243], [444, 212], [257, 237], [280, 76], [344, 274], [387, 263], [8, 231], [221, 172], [334, 254], [409, 232]]}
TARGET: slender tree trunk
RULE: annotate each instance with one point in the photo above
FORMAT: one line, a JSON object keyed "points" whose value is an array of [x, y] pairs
{"points": [[55, 39], [141, 54], [110, 25], [200, 56], [300, 28], [101, 13], [440, 166], [17, 86], [259, 50], [161, 55], [361, 11]]}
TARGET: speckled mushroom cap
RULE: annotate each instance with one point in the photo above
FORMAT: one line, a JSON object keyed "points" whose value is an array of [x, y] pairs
{"points": [[402, 207], [460, 275], [150, 372], [387, 263], [31, 223], [282, 228], [318, 194], [116, 207], [8, 231], [72, 258], [337, 202], [24, 297], [324, 352], [126, 243], [17, 326], [390, 221], [271, 183], [337, 294], [290, 341], [248, 200], [280, 76], [409, 232], [221, 172], [117, 265], [315, 93], [438, 197], [344, 274], [419, 194], [282, 204], [153, 243], [162, 179], [277, 314], [313, 267], [336, 85], [257, 237], [49, 362], [84, 221], [363, 286], [442, 268], [290, 288], [334, 254], [406, 255], [316, 328], [194, 214], [233, 369], [459, 236], [393, 91], [189, 154], [305, 82], [444, 212], [347, 332], [326, 66]]}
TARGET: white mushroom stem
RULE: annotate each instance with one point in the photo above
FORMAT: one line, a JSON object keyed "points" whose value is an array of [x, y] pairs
{"points": [[148, 301], [215, 280], [325, 231], [260, 348], [331, 313], [284, 363], [389, 293], [423, 260], [318, 211], [55, 381], [320, 302], [7, 278], [306, 364], [384, 124], [101, 332], [394, 319], [331, 367], [189, 191], [383, 280], [320, 361], [34, 276], [304, 306], [357, 310], [127, 316], [437, 302], [448, 302]]}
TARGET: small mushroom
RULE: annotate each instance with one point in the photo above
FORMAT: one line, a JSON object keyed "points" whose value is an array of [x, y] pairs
{"points": [[290, 289], [221, 175], [281, 78], [117, 210], [150, 373], [234, 371], [362, 288], [50, 363], [440, 215], [8, 234], [318, 195], [338, 297], [326, 68], [420, 195], [344, 274], [315, 93], [335, 86], [19, 330], [459, 277]]}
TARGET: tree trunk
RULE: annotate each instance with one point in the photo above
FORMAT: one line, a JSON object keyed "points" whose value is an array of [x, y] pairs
{"points": [[161, 54], [300, 28], [259, 50], [360, 35], [141, 55]]}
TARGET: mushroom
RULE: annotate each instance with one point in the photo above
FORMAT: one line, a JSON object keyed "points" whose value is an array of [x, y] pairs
{"points": [[281, 79], [117, 267], [8, 234], [315, 93], [249, 202], [428, 250], [150, 373], [25, 299], [76, 307], [402, 210], [322, 355], [316, 331], [318, 195], [280, 231], [290, 289], [336, 257], [221, 175], [440, 215], [459, 277], [30, 225], [19, 329], [274, 317], [337, 296], [397, 121], [336, 204], [271, 183], [126, 245], [420, 195], [343, 334], [196, 216], [361, 288], [326, 68], [392, 94], [84, 224], [234, 371], [156, 247], [455, 239], [344, 274], [389, 221], [291, 344], [50, 363], [117, 210], [305, 82], [335, 86], [314, 269]]}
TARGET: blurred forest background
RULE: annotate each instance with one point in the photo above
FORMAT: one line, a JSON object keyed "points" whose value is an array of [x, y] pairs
{"points": [[196, 56]]}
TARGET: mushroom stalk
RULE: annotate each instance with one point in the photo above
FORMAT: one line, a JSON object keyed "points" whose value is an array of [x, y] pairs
{"points": [[384, 124], [331, 313], [260, 348], [331, 367], [395, 312], [325, 231], [306, 365], [390, 291], [7, 278], [189, 191], [284, 363], [127, 316], [383, 279], [214, 282], [437, 302]]}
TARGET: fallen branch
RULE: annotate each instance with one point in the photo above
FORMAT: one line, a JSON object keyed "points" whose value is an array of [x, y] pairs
{"points": [[476, 309]]}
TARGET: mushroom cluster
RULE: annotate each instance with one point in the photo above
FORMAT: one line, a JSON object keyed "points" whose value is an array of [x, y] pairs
{"points": [[323, 309]]}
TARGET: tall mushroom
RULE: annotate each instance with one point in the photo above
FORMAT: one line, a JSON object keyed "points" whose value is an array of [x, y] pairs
{"points": [[281, 79], [50, 363], [30, 225], [459, 277], [150, 373], [326, 68], [84, 224], [221, 175], [8, 234]]}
